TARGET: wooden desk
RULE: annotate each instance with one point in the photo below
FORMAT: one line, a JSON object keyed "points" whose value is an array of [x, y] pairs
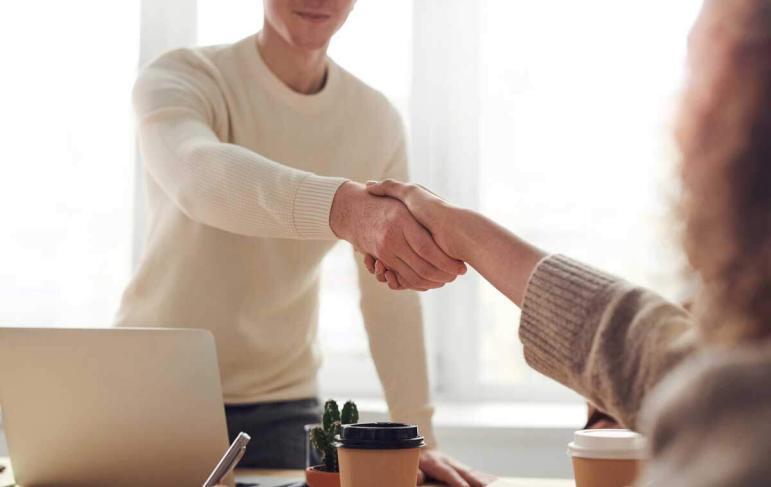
{"points": [[6, 477]]}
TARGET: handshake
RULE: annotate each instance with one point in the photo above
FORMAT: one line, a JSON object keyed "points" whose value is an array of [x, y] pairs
{"points": [[405, 232]]}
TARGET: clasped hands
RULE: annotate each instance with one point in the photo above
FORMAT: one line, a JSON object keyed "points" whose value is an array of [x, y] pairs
{"points": [[402, 229]]}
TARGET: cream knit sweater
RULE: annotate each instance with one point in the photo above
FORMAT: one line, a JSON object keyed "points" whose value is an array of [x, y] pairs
{"points": [[241, 173]]}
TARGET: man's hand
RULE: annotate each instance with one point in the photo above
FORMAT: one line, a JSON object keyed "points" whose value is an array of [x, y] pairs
{"points": [[430, 211], [385, 229], [438, 466]]}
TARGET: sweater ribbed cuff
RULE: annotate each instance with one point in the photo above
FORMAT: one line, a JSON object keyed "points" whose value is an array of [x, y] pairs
{"points": [[558, 300], [312, 204]]}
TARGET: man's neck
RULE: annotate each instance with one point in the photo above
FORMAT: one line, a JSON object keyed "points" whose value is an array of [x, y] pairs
{"points": [[302, 70]]}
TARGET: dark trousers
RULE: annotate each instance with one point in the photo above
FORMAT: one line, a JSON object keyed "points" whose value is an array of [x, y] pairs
{"points": [[277, 430]]}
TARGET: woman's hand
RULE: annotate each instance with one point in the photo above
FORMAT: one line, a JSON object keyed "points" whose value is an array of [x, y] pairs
{"points": [[428, 209], [501, 257]]}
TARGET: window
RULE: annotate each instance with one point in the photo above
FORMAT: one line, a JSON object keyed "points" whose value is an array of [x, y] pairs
{"points": [[575, 151], [68, 160]]}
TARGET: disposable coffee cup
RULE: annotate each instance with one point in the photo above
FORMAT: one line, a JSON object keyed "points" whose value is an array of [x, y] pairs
{"points": [[379, 454], [607, 457]]}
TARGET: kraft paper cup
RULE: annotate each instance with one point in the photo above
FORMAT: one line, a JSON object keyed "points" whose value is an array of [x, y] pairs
{"points": [[379, 455], [607, 457]]}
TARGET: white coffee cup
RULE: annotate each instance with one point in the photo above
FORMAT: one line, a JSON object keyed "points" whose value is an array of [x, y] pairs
{"points": [[607, 457]]}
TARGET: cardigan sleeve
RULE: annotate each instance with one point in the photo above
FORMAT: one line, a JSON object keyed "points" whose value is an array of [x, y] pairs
{"points": [[608, 340]]}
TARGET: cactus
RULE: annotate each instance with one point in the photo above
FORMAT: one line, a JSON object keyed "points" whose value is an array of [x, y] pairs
{"points": [[350, 414], [323, 436]]}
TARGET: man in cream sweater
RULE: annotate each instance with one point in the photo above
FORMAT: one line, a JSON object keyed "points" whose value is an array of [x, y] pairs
{"points": [[251, 151]]}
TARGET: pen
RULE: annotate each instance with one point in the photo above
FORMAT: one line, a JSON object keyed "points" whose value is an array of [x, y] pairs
{"points": [[228, 461]]}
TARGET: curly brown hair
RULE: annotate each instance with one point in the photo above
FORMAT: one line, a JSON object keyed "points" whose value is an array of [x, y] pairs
{"points": [[724, 135]]}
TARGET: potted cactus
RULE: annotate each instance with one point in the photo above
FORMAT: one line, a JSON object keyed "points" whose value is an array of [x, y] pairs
{"points": [[328, 474]]}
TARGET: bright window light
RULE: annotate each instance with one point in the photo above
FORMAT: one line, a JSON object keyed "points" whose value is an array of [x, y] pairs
{"points": [[68, 160], [576, 151]]}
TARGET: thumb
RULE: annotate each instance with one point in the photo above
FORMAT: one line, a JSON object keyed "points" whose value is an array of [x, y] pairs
{"points": [[376, 188], [387, 187]]}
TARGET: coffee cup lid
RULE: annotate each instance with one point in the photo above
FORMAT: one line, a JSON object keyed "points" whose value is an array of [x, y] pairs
{"points": [[379, 436], [614, 444]]}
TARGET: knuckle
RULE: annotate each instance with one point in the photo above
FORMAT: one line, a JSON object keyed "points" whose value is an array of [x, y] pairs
{"points": [[382, 243], [394, 212], [391, 233]]}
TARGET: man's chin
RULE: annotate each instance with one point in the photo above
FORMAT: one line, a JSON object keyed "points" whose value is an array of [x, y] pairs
{"points": [[311, 42]]}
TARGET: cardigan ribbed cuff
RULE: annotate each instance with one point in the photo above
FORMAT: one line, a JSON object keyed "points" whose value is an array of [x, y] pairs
{"points": [[558, 302], [312, 204]]}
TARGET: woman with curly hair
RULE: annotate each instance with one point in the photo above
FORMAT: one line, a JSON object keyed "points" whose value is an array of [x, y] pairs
{"points": [[698, 383]]}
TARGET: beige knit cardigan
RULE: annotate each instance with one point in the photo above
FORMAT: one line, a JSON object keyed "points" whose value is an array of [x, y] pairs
{"points": [[706, 411]]}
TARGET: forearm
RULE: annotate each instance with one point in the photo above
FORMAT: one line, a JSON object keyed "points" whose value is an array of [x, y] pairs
{"points": [[501, 257], [230, 187]]}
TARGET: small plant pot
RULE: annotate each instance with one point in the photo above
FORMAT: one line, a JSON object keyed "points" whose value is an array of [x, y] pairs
{"points": [[317, 477]]}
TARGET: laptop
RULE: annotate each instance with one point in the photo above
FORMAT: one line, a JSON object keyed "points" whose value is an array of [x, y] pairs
{"points": [[111, 406]]}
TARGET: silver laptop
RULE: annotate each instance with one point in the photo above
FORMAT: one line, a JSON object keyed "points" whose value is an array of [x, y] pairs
{"points": [[115, 406]]}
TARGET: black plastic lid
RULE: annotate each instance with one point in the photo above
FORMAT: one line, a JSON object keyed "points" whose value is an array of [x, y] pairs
{"points": [[379, 436]]}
